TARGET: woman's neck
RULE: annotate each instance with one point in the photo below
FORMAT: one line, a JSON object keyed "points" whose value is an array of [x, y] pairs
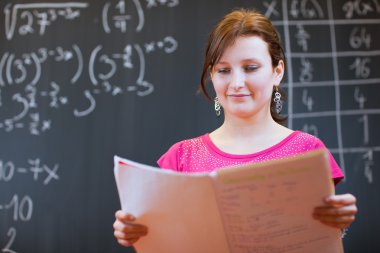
{"points": [[248, 135], [248, 127]]}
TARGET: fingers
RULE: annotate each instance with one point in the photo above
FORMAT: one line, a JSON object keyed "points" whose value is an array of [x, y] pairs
{"points": [[340, 211], [126, 231], [128, 236], [129, 227], [336, 221], [335, 211], [120, 215], [126, 243], [340, 200]]}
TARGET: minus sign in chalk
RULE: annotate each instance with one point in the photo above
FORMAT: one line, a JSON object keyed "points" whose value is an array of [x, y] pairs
{"points": [[131, 88]]}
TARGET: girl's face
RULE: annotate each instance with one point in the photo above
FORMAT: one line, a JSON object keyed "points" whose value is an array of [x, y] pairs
{"points": [[244, 77]]}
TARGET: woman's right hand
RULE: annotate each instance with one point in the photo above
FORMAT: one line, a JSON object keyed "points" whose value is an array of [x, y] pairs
{"points": [[126, 231]]}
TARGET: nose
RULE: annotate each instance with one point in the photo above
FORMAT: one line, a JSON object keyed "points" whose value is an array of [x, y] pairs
{"points": [[237, 81]]}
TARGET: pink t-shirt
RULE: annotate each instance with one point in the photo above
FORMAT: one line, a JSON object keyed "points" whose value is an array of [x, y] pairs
{"points": [[201, 155]]}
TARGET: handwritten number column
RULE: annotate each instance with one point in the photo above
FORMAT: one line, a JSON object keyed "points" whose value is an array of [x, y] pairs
{"points": [[358, 57], [315, 83]]}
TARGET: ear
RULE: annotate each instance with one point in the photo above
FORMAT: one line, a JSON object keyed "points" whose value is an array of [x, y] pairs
{"points": [[279, 72]]}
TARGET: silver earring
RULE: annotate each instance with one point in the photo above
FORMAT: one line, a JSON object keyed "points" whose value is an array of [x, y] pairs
{"points": [[217, 106], [277, 100]]}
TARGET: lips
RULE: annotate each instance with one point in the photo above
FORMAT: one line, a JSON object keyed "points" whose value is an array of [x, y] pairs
{"points": [[239, 95]]}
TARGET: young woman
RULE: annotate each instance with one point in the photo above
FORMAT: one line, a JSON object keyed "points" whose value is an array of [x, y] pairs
{"points": [[245, 61]]}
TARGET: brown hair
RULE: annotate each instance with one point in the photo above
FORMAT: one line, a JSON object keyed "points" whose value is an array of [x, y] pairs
{"points": [[238, 23]]}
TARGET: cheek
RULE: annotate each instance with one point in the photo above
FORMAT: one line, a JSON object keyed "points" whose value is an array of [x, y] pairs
{"points": [[261, 82], [218, 85], [261, 90], [256, 85]]}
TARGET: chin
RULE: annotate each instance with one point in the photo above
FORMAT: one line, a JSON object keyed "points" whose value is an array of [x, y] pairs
{"points": [[242, 113]]}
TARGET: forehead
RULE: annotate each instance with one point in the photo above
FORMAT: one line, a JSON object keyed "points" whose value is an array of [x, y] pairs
{"points": [[246, 47]]}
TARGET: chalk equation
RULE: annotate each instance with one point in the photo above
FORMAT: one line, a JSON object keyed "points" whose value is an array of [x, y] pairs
{"points": [[41, 79], [36, 18], [20, 208], [12, 236], [35, 170], [41, 15], [306, 9], [116, 16], [23, 84], [360, 8], [27, 70], [314, 9]]}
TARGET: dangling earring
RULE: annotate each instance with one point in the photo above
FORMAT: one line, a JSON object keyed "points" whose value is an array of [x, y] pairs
{"points": [[277, 100], [217, 106]]}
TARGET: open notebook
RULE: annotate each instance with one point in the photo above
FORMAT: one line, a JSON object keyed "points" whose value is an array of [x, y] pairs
{"points": [[262, 207]]}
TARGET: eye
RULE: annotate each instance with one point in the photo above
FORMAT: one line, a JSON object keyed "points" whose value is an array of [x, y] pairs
{"points": [[251, 68], [223, 70]]}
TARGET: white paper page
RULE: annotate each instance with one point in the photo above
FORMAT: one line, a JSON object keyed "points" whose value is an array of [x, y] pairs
{"points": [[179, 209], [268, 208]]}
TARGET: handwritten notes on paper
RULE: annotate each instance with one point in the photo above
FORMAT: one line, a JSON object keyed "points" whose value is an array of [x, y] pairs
{"points": [[263, 207], [269, 208]]}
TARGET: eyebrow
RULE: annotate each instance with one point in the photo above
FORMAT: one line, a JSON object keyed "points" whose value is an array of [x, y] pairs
{"points": [[244, 60]]}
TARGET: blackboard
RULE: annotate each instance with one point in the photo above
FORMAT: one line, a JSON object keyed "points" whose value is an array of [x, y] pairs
{"points": [[81, 81]]}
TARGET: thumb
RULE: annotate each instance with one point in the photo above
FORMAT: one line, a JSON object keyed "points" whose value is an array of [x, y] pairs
{"points": [[121, 215]]}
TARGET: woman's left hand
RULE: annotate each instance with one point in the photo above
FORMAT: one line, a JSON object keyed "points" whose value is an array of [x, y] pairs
{"points": [[339, 211]]}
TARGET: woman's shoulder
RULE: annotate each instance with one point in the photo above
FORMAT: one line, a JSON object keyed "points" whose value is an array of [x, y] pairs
{"points": [[170, 159], [297, 142], [304, 135], [305, 140], [186, 145], [190, 143]]}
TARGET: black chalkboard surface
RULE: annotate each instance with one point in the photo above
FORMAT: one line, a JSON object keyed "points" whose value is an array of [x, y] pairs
{"points": [[81, 81]]}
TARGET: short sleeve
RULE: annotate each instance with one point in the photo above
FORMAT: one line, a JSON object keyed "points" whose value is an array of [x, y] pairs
{"points": [[336, 172], [169, 160]]}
